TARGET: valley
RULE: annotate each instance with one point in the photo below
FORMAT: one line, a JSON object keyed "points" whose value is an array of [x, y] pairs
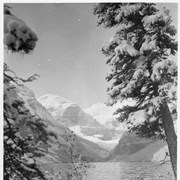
{"points": [[98, 125], [97, 140]]}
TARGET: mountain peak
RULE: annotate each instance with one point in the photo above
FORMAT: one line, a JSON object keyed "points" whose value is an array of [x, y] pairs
{"points": [[98, 105], [99, 108], [53, 98], [55, 104]]}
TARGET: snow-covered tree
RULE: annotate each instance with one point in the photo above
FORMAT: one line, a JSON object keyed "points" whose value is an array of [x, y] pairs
{"points": [[142, 69], [18, 37], [24, 133]]}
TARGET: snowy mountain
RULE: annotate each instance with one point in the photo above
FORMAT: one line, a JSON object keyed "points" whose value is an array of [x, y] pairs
{"points": [[94, 140], [97, 124], [55, 104], [102, 113], [56, 147], [105, 115], [87, 124], [66, 112]]}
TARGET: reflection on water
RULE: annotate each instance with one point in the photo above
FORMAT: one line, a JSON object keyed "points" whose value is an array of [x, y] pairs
{"points": [[129, 171]]}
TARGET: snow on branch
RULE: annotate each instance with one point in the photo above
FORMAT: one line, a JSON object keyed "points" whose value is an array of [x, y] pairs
{"points": [[149, 43], [126, 47], [168, 66], [137, 118], [156, 102], [108, 45], [127, 10], [172, 93], [160, 16], [18, 37]]}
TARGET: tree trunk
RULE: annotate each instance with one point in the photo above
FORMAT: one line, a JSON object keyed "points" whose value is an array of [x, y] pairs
{"points": [[170, 135]]}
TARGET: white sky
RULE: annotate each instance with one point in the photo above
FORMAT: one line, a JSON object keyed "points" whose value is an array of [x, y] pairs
{"points": [[68, 53]]}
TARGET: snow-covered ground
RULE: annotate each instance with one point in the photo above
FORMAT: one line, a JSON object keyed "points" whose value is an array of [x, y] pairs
{"points": [[110, 144]]}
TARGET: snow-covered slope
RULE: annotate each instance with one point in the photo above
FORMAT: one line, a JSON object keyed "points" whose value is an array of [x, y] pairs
{"points": [[101, 112], [87, 124], [56, 147], [109, 144], [105, 115], [66, 112], [55, 105]]}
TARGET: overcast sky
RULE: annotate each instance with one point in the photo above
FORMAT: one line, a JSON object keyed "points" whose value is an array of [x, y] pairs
{"points": [[68, 53]]}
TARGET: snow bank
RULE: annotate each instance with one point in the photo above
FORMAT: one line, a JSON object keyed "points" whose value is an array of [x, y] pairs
{"points": [[77, 130]]}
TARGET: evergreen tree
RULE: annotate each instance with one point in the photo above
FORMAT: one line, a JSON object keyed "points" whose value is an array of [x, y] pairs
{"points": [[24, 133], [141, 68]]}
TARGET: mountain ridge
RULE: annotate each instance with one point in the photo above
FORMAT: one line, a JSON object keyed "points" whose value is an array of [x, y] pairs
{"points": [[89, 150], [82, 123], [121, 145]]}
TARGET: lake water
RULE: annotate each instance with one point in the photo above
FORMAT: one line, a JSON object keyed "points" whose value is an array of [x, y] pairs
{"points": [[122, 171], [129, 171]]}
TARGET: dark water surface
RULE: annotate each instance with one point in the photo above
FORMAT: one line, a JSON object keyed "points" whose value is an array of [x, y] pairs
{"points": [[129, 171]]}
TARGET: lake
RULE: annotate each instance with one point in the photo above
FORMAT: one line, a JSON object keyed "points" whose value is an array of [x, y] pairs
{"points": [[129, 171], [123, 171]]}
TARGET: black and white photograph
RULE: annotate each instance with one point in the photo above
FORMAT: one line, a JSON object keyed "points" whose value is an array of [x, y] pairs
{"points": [[90, 90]]}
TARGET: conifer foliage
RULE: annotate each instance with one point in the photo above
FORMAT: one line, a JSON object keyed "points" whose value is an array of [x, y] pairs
{"points": [[18, 37], [24, 133], [142, 69]]}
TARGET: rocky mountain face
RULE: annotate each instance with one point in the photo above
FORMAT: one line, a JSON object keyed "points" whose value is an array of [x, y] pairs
{"points": [[66, 112], [130, 147], [98, 124], [56, 148], [103, 114], [95, 128], [82, 123]]}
